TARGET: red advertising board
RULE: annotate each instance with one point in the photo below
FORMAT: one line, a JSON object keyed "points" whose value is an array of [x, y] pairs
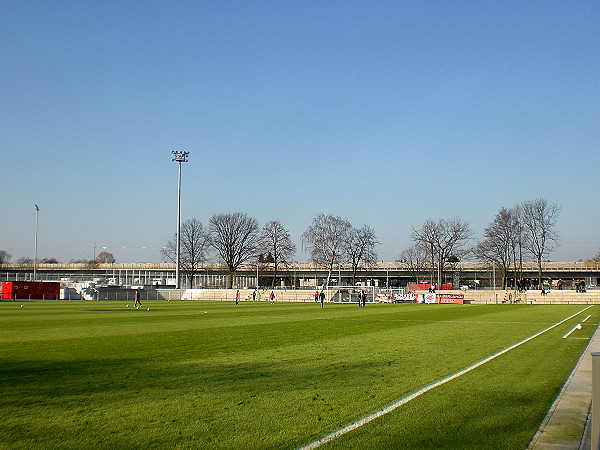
{"points": [[30, 290], [457, 299]]}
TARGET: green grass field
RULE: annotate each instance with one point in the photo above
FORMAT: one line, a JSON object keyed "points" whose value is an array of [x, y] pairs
{"points": [[253, 376]]}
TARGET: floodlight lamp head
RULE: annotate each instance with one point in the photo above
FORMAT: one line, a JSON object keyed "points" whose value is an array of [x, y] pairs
{"points": [[179, 156]]}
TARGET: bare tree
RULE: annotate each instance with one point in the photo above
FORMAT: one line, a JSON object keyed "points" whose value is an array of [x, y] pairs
{"points": [[426, 237], [517, 244], [50, 260], [443, 239], [105, 257], [500, 240], [539, 218], [596, 256], [275, 241], [454, 234], [235, 238], [325, 238], [415, 257], [4, 257], [360, 247], [194, 247]]}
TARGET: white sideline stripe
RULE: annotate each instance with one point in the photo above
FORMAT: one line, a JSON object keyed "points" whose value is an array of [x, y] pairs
{"points": [[586, 318], [569, 333], [189, 314], [425, 389]]}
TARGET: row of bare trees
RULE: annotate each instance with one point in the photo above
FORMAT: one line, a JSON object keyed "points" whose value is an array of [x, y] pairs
{"points": [[441, 241], [526, 230], [333, 240], [523, 231], [103, 257], [236, 239]]}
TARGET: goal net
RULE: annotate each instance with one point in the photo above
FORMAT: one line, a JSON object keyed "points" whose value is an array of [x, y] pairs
{"points": [[350, 294], [389, 295]]}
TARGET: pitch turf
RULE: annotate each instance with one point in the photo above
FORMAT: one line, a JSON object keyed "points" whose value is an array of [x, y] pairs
{"points": [[216, 375]]}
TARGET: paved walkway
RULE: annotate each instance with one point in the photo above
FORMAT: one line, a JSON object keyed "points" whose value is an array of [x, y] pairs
{"points": [[566, 425]]}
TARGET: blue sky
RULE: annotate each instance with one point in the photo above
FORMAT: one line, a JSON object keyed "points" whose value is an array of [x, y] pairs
{"points": [[385, 113]]}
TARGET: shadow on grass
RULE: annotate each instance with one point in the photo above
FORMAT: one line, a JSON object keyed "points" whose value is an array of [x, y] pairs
{"points": [[80, 395], [67, 378]]}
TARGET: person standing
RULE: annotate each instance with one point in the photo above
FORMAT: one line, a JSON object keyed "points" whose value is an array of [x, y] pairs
{"points": [[364, 299], [322, 298], [272, 297], [360, 294], [316, 296], [237, 297], [254, 295], [137, 299]]}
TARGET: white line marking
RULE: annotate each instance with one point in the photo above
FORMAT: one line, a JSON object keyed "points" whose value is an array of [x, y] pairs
{"points": [[578, 326], [586, 318], [186, 314], [408, 398]]}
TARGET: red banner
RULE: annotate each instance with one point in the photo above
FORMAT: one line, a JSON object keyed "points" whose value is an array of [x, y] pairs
{"points": [[457, 299]]}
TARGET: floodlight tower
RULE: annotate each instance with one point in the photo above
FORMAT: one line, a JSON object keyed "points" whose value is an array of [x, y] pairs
{"points": [[179, 157], [37, 212]]}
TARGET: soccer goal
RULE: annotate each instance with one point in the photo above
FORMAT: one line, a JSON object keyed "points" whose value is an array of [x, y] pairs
{"points": [[350, 294]]}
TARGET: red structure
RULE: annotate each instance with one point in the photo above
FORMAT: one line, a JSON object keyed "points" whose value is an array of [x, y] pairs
{"points": [[30, 290]]}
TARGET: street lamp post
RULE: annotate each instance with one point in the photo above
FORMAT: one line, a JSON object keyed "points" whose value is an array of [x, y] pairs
{"points": [[179, 157], [37, 211]]}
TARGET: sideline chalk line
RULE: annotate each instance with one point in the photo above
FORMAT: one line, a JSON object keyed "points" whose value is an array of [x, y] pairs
{"points": [[408, 398]]}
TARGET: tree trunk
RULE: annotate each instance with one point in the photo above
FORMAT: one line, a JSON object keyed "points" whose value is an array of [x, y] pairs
{"points": [[330, 269], [274, 276], [354, 269], [328, 278]]}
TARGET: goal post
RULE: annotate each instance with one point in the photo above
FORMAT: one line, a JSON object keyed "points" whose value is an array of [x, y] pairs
{"points": [[349, 294]]}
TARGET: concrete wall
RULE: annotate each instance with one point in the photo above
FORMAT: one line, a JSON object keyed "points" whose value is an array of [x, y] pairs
{"points": [[533, 297]]}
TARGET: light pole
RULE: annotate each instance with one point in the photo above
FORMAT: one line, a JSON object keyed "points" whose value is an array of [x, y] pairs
{"points": [[494, 281], [179, 157], [37, 211]]}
